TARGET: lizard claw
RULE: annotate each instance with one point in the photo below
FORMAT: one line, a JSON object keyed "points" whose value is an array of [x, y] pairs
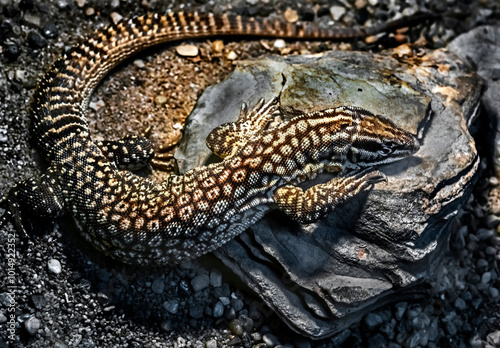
{"points": [[375, 177]]}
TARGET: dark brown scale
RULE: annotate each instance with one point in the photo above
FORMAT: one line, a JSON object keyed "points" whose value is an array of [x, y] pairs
{"points": [[138, 221]]}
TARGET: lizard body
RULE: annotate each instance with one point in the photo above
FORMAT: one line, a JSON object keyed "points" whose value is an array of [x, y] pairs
{"points": [[137, 221]]}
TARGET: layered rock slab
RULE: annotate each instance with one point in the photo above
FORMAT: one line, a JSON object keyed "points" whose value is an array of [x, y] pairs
{"points": [[321, 277]]}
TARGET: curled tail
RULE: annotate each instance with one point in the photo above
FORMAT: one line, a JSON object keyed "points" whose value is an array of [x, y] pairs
{"points": [[58, 112]]}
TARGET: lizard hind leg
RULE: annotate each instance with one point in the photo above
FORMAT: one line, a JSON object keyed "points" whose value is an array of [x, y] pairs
{"points": [[316, 202], [32, 199], [229, 138], [132, 152]]}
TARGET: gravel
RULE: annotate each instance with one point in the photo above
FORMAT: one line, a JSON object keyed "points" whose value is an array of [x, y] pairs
{"points": [[93, 301]]}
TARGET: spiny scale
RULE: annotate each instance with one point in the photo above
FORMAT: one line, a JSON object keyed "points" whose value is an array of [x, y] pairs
{"points": [[137, 221]]}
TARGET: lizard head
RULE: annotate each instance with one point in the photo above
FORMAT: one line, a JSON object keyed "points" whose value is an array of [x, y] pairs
{"points": [[378, 140]]}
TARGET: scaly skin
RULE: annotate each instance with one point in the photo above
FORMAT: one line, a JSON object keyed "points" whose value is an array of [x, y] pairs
{"points": [[137, 221]]}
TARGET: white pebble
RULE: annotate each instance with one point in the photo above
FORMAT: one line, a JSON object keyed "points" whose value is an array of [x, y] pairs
{"points": [[232, 55], [280, 43], [139, 63], [116, 17], [187, 50], [493, 181], [337, 12], [54, 266]]}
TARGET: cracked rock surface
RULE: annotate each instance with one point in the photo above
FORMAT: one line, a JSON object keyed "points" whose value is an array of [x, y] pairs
{"points": [[381, 245]]}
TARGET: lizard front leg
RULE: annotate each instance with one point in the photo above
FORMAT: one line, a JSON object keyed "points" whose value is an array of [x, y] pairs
{"points": [[228, 138], [312, 204]]}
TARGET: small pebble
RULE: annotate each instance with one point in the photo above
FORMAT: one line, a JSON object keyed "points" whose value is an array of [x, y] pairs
{"points": [[187, 50], [493, 181], [235, 341], [12, 51], [485, 234], [200, 282], [36, 40], [96, 105], [50, 31], [359, 4], [279, 43], [32, 19], [229, 314], [90, 11], [218, 46], [20, 76], [482, 264], [246, 323], [270, 340], [139, 63], [166, 326], [54, 266], [460, 304], [371, 39], [372, 321], [62, 4], [490, 250], [215, 278], [158, 286], [172, 306], [291, 16], [451, 328], [237, 304], [486, 277], [32, 325], [256, 336], [413, 340], [116, 17], [494, 292], [218, 310], [39, 301], [196, 312], [160, 100], [235, 327], [211, 344], [337, 12], [225, 300], [102, 298], [231, 55]]}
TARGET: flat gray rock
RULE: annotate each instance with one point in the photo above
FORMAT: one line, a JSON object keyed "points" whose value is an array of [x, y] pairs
{"points": [[321, 277]]}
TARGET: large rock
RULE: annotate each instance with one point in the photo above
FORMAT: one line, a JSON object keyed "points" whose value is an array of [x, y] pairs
{"points": [[481, 48], [321, 277]]}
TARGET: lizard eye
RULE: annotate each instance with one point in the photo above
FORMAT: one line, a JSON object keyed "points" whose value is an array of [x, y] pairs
{"points": [[386, 150]]}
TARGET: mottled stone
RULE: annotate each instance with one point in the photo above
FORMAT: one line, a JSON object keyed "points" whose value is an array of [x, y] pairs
{"points": [[320, 278], [481, 48]]}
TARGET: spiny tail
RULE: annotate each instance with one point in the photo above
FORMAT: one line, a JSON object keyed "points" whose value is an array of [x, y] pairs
{"points": [[61, 99]]}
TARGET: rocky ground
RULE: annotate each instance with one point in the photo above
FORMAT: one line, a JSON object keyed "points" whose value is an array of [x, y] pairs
{"points": [[68, 295]]}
